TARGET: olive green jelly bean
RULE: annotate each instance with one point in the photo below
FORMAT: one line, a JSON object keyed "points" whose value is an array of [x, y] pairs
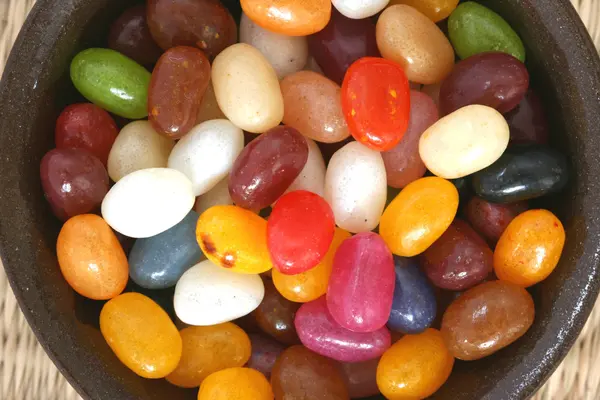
{"points": [[112, 81], [475, 29]]}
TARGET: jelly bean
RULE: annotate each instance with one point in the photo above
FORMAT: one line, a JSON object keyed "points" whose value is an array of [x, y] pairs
{"points": [[419, 215], [235, 239], [301, 374], [376, 102], [208, 295], [414, 367], [433, 91], [311, 65], [208, 349], [527, 121], [247, 88], [320, 332], [289, 17], [265, 352], [312, 176], [403, 163], [464, 142], [159, 261], [522, 173], [202, 23], [435, 10], [138, 146], [275, 315], [112, 81], [355, 187], [141, 335], [148, 202], [88, 127], [486, 319], [342, 42], [459, 259], [496, 80], [236, 383], [311, 284], [475, 29], [529, 248], [91, 258], [207, 153], [217, 196], [359, 9], [491, 219], [209, 108], [299, 231], [361, 378], [407, 37], [267, 167], [287, 54], [74, 182], [130, 36], [361, 286], [414, 305], [178, 83]]}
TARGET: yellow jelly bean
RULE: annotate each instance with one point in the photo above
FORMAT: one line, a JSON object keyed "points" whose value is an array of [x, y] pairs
{"points": [[208, 349], [418, 216], [312, 284], [234, 238], [141, 334], [435, 10], [236, 384]]}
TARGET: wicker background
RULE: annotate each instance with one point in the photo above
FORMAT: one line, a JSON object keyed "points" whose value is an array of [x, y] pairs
{"points": [[26, 373]]}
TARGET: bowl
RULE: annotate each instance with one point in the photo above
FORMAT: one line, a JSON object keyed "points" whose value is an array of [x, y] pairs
{"points": [[565, 70]]}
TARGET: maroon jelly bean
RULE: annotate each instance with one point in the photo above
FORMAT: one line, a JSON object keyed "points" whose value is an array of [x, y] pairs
{"points": [[491, 219], [527, 121], [265, 352]]}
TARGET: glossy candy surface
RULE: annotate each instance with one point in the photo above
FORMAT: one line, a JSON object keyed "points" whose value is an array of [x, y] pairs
{"points": [[361, 378], [88, 127], [527, 122], [275, 315], [435, 10], [487, 318], [91, 258], [74, 182], [208, 349], [178, 83], [265, 352], [289, 17], [459, 259], [376, 102], [236, 383], [312, 176], [266, 167], [530, 248], [319, 332], [141, 335], [361, 286], [359, 9], [419, 215], [491, 219]]}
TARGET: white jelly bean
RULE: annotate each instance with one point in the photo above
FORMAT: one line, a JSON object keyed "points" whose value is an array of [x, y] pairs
{"points": [[357, 9], [208, 295], [464, 142], [148, 202], [206, 154], [356, 187], [312, 176], [217, 196], [287, 54], [247, 88], [138, 146]]}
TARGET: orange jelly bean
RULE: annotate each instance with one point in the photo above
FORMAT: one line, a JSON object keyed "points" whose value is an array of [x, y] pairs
{"points": [[414, 367], [91, 258], [529, 248], [289, 17], [208, 349], [141, 334], [312, 284], [435, 10], [234, 238], [236, 384], [419, 215]]}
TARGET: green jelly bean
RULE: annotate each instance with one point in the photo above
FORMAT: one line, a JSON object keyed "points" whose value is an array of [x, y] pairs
{"points": [[475, 29], [112, 81]]}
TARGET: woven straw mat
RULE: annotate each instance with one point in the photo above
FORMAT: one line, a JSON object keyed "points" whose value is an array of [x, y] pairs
{"points": [[26, 373]]}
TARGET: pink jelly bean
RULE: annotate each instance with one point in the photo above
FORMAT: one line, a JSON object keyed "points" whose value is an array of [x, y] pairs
{"points": [[361, 286], [319, 332]]}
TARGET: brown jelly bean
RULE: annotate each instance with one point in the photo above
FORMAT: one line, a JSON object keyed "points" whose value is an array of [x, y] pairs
{"points": [[527, 121], [491, 219], [361, 378], [275, 315], [265, 352]]}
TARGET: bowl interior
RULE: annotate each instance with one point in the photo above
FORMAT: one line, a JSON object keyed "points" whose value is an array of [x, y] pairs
{"points": [[564, 69]]}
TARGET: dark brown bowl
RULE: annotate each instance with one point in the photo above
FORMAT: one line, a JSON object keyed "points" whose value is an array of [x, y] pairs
{"points": [[564, 67]]}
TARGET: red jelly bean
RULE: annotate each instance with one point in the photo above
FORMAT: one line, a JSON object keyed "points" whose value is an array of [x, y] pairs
{"points": [[527, 121], [491, 219], [376, 102], [86, 126], [74, 182], [299, 231], [178, 83]]}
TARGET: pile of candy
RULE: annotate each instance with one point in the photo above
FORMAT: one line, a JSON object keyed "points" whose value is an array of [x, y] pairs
{"points": [[320, 252]]}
